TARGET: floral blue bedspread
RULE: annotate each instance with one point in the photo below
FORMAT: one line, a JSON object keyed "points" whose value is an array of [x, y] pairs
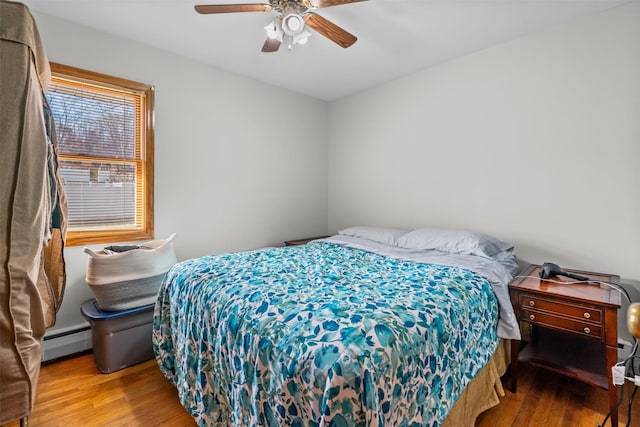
{"points": [[321, 335]]}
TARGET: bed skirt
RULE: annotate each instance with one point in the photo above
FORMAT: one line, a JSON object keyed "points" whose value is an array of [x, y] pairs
{"points": [[483, 392]]}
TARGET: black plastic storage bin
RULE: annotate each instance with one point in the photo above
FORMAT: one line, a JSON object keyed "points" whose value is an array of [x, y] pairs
{"points": [[120, 338]]}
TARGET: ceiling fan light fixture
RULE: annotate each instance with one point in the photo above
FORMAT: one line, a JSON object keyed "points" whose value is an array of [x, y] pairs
{"points": [[293, 24], [274, 30], [302, 38]]}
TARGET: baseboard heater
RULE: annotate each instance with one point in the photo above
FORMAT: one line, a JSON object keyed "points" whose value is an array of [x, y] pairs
{"points": [[66, 342]]}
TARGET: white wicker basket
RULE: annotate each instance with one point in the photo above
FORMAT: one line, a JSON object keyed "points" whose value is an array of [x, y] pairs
{"points": [[124, 280]]}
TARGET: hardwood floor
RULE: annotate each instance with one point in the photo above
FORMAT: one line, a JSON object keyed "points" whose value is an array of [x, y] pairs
{"points": [[73, 392], [548, 399]]}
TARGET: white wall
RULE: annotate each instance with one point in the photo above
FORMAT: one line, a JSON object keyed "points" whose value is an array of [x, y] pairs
{"points": [[228, 176], [536, 141]]}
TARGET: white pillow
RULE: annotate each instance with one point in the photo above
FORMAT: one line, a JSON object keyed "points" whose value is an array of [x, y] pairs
{"points": [[388, 236], [454, 242]]}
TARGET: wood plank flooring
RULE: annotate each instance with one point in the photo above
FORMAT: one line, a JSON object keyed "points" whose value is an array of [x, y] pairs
{"points": [[73, 392]]}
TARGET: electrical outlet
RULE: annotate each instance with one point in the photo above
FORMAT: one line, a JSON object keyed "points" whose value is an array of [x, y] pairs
{"points": [[617, 373]]}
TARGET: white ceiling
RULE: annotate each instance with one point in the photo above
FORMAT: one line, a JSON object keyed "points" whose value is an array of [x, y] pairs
{"points": [[395, 37]]}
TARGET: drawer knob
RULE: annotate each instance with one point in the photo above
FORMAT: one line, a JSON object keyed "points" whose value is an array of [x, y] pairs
{"points": [[587, 330], [532, 303], [587, 316], [532, 317]]}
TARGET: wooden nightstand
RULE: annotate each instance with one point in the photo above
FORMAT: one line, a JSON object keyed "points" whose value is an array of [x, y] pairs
{"points": [[571, 329], [302, 241]]}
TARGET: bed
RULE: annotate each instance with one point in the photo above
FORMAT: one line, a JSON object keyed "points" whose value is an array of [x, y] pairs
{"points": [[371, 327]]}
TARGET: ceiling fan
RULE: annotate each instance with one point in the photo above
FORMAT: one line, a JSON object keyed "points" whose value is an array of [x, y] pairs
{"points": [[290, 25]]}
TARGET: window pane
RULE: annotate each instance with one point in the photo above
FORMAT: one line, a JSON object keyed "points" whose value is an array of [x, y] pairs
{"points": [[90, 123], [101, 195], [104, 132]]}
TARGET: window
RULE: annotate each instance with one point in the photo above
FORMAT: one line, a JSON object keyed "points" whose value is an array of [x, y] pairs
{"points": [[104, 128]]}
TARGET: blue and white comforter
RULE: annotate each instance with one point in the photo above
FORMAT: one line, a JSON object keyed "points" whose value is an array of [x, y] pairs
{"points": [[321, 335]]}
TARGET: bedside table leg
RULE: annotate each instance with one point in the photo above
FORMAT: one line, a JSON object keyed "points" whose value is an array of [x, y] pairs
{"points": [[515, 349], [612, 359]]}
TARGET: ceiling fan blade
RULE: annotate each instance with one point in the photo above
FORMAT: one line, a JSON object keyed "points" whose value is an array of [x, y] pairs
{"points": [[229, 8], [326, 3], [329, 30], [271, 45]]}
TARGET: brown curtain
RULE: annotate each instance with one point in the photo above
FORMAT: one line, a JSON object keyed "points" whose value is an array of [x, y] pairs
{"points": [[32, 211]]}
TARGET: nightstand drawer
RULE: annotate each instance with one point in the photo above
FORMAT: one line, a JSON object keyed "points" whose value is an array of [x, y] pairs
{"points": [[550, 320], [561, 308]]}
